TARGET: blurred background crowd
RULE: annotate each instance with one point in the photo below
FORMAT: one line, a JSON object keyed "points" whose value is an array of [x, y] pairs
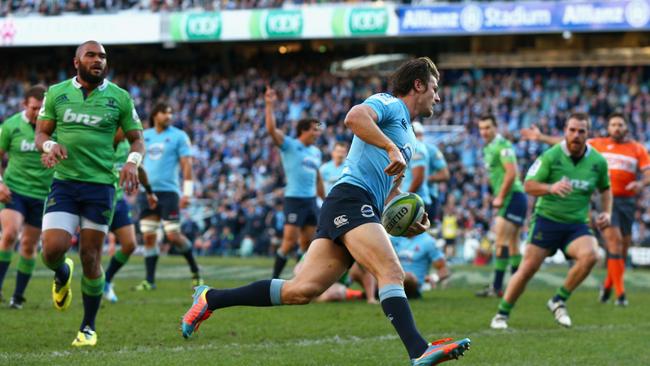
{"points": [[238, 170]]}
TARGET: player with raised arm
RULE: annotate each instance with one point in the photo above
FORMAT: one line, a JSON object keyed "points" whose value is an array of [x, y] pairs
{"points": [[350, 224], [22, 193], [300, 161], [121, 225], [169, 154], [563, 178], [331, 171], [510, 201], [85, 112], [625, 158]]}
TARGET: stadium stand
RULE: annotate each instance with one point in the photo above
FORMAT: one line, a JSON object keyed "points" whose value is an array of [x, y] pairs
{"points": [[238, 167]]}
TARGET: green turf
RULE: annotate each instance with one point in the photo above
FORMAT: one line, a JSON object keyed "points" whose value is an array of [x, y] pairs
{"points": [[142, 328]]}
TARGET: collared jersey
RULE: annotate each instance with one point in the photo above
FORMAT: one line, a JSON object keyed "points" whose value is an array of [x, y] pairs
{"points": [[495, 155], [162, 161], [300, 165], [587, 175], [330, 173], [625, 160], [86, 126], [365, 164], [25, 174]]}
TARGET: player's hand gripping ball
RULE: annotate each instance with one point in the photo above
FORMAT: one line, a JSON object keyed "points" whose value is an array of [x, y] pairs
{"points": [[401, 212]]}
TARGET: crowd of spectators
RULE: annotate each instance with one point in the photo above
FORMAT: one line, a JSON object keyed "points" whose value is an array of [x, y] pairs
{"points": [[238, 169], [57, 7]]}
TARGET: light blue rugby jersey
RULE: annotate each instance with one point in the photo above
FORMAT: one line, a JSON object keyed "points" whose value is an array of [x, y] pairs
{"points": [[420, 158], [162, 160], [365, 164], [416, 254], [330, 174], [300, 165], [437, 162]]}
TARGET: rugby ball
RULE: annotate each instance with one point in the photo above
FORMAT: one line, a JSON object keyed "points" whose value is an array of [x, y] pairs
{"points": [[401, 212]]}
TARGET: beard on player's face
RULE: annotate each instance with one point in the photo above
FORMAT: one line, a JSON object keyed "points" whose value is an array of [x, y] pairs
{"points": [[91, 74]]}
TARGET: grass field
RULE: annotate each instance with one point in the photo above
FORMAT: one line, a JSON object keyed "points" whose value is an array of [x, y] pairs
{"points": [[143, 328]]}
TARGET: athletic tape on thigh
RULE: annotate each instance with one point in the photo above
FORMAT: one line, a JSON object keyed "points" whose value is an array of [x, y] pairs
{"points": [[148, 226], [62, 221], [171, 226], [89, 224]]}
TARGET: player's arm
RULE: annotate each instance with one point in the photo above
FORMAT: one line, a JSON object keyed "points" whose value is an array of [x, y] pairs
{"points": [[188, 180], [644, 166], [54, 152], [320, 185], [604, 218], [441, 175], [509, 163], [534, 134], [362, 120], [536, 181], [5, 193], [270, 97], [418, 178], [129, 173], [152, 199]]}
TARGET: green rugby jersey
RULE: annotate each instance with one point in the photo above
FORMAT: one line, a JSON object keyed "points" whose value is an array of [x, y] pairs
{"points": [[121, 153], [495, 154], [25, 174], [589, 174], [86, 127]]}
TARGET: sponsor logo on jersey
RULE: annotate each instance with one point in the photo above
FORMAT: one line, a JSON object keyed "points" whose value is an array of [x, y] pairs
{"points": [[341, 221], [89, 120], [580, 184], [61, 99], [27, 146], [155, 150], [367, 211]]}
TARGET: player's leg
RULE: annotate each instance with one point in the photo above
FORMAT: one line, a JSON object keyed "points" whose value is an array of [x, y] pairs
{"points": [[60, 223], [169, 204], [11, 221], [325, 260], [306, 236], [149, 228], [290, 236], [504, 230], [370, 246], [583, 250], [411, 286], [367, 281], [628, 208], [125, 235], [97, 209], [26, 263], [307, 222], [533, 259], [513, 249], [92, 282], [614, 246], [621, 299]]}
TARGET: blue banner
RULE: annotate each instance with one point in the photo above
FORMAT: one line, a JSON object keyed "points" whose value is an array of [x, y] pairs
{"points": [[525, 17]]}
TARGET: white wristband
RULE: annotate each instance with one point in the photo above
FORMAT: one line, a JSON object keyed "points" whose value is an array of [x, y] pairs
{"points": [[135, 158], [188, 188], [48, 145]]}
